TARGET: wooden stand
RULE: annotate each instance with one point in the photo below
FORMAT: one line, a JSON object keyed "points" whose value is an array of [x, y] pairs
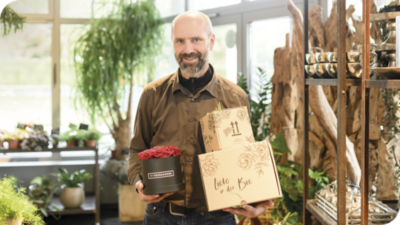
{"points": [[341, 82], [91, 205]]}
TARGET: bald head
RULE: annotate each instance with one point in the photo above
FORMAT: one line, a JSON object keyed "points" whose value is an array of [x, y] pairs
{"points": [[192, 19]]}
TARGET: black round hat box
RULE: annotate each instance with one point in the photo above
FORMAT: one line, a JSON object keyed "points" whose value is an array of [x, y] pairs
{"points": [[162, 175]]}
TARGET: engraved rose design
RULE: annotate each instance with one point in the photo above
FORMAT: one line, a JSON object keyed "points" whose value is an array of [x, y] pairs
{"points": [[260, 150], [245, 161], [256, 155], [209, 166]]}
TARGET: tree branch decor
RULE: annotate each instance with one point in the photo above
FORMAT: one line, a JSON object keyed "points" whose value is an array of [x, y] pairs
{"points": [[108, 58]]}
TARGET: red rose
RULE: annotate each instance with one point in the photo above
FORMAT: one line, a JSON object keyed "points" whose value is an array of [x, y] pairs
{"points": [[146, 154], [176, 151], [159, 152]]}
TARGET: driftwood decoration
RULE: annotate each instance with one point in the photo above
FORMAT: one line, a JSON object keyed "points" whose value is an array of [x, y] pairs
{"points": [[287, 103]]}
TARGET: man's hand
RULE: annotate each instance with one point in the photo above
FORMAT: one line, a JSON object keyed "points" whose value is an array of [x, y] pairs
{"points": [[250, 211], [150, 198]]}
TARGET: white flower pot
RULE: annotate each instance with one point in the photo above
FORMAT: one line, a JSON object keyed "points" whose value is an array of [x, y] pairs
{"points": [[72, 197], [13, 221]]}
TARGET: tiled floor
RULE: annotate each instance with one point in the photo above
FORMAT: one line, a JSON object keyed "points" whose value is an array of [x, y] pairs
{"points": [[107, 217]]}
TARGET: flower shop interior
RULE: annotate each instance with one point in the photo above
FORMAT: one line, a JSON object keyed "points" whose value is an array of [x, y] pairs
{"points": [[331, 120]]}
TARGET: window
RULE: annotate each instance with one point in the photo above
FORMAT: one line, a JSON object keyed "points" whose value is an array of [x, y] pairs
{"points": [[208, 4], [25, 77], [31, 6], [170, 7], [263, 43], [224, 55], [166, 61]]}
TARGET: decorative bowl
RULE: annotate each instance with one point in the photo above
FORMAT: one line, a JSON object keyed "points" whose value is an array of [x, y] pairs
{"points": [[321, 70]]}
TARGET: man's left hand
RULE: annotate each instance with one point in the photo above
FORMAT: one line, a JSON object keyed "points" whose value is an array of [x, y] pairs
{"points": [[251, 211]]}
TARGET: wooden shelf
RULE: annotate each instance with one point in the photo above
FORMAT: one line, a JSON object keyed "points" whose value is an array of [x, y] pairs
{"points": [[381, 17], [51, 149], [332, 82], [322, 217], [393, 84], [87, 207]]}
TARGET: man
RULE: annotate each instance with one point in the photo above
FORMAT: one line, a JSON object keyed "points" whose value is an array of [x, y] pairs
{"points": [[168, 114]]}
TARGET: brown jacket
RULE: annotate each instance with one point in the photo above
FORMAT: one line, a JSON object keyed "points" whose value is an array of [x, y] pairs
{"points": [[168, 114]]}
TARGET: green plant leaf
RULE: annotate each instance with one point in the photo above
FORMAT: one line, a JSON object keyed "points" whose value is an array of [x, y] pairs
{"points": [[280, 143]]}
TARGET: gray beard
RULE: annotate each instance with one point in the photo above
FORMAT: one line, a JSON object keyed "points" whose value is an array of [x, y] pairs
{"points": [[192, 69]]}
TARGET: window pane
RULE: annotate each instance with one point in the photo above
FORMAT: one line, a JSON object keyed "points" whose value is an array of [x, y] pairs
{"points": [[69, 113], [208, 4], [31, 6], [84, 8], [166, 63], [263, 44], [224, 55], [25, 74], [170, 7]]}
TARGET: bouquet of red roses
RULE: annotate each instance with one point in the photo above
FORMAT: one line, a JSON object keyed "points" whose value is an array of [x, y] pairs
{"points": [[161, 170], [159, 152]]}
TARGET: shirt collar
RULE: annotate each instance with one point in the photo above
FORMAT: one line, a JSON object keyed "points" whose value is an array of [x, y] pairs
{"points": [[211, 87]]}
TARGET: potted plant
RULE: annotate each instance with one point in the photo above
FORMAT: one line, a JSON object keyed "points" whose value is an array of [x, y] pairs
{"points": [[92, 136], [80, 138], [36, 141], [12, 140], [112, 73], [41, 193], [55, 138], [15, 207], [69, 137], [72, 194]]}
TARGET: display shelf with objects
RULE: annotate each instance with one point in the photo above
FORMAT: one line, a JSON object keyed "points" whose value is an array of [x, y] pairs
{"points": [[91, 204], [361, 77]]}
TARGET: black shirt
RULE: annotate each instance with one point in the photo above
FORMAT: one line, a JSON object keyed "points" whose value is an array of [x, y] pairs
{"points": [[194, 84]]}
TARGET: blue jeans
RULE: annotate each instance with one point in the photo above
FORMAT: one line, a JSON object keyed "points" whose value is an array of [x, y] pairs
{"points": [[155, 215]]}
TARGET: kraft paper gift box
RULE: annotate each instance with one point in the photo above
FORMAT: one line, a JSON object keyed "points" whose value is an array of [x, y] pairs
{"points": [[240, 175], [223, 129]]}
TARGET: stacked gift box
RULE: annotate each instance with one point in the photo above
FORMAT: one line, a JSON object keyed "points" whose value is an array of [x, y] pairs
{"points": [[235, 170]]}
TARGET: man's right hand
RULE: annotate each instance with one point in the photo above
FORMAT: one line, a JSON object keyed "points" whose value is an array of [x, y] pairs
{"points": [[150, 198]]}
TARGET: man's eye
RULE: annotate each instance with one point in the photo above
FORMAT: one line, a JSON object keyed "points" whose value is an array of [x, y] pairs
{"points": [[196, 40], [180, 41]]}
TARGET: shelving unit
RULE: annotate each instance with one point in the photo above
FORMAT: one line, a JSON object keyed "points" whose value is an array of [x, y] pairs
{"points": [[309, 207], [91, 205]]}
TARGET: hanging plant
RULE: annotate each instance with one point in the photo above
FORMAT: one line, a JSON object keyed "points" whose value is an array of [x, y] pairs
{"points": [[9, 19], [109, 57]]}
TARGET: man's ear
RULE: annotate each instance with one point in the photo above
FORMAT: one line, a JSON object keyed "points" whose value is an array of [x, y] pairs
{"points": [[212, 41]]}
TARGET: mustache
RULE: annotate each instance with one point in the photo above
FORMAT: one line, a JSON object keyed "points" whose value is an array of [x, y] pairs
{"points": [[190, 55]]}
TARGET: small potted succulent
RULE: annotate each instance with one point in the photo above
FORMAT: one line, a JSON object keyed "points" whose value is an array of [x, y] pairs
{"points": [[161, 169], [72, 194], [92, 137], [41, 193], [36, 141], [15, 207]]}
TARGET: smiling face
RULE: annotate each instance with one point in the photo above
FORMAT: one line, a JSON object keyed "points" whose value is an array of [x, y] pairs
{"points": [[192, 39]]}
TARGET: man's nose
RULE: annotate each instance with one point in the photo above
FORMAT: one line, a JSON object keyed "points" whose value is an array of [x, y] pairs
{"points": [[188, 48]]}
